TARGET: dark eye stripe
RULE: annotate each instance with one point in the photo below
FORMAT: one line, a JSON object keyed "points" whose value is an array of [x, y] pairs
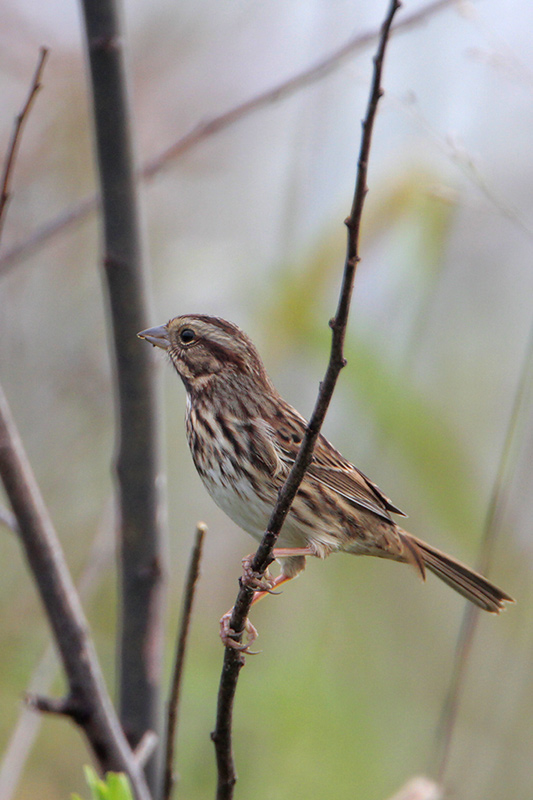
{"points": [[225, 355]]}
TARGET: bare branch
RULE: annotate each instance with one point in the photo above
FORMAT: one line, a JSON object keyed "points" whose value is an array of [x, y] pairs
{"points": [[12, 150], [146, 748], [8, 520], [193, 574], [88, 703], [216, 124], [234, 659], [67, 706], [136, 459], [27, 727]]}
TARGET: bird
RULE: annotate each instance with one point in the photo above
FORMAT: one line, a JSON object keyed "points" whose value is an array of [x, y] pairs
{"points": [[244, 438]]}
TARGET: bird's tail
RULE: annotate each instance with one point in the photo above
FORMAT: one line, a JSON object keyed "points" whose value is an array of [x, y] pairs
{"points": [[464, 580]]}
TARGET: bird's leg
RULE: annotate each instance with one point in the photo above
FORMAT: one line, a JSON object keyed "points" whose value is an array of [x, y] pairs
{"points": [[285, 552], [281, 552], [264, 584]]}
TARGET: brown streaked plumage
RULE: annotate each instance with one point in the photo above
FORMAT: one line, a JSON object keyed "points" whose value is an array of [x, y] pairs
{"points": [[244, 438]]}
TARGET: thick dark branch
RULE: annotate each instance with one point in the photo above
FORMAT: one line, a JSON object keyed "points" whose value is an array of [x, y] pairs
{"points": [[88, 702], [193, 574], [141, 630], [216, 124], [12, 150], [87, 692], [233, 660]]}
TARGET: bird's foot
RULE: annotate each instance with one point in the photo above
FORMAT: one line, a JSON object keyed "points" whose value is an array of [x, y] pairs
{"points": [[227, 634], [255, 580]]}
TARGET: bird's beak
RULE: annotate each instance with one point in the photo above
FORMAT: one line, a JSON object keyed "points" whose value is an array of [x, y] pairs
{"points": [[156, 336]]}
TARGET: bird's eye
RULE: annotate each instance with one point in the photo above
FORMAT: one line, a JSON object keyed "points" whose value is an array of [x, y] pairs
{"points": [[187, 336]]}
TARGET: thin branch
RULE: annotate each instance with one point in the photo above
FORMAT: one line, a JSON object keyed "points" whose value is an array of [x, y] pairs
{"points": [[216, 124], [520, 412], [136, 457], [20, 120], [8, 520], [88, 701], [28, 724], [193, 574], [316, 72], [146, 748], [234, 659]]}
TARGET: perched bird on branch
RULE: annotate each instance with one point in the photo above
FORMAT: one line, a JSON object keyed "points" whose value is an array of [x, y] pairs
{"points": [[244, 438]]}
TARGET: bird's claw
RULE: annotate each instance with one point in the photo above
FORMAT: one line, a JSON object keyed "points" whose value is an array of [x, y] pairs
{"points": [[255, 580], [227, 634]]}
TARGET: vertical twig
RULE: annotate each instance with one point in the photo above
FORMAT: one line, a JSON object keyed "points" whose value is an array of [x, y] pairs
{"points": [[141, 630], [467, 632], [233, 659], [87, 702], [193, 574]]}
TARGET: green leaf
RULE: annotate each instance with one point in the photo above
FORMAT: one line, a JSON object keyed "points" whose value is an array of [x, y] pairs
{"points": [[119, 786], [115, 786]]}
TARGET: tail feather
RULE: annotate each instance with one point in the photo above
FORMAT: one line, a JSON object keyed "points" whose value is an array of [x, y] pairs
{"points": [[464, 580]]}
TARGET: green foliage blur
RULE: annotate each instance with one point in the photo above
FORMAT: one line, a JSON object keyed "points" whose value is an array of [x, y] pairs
{"points": [[114, 786], [356, 655]]}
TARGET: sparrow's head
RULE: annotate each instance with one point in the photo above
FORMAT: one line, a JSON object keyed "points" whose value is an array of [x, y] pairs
{"points": [[201, 347]]}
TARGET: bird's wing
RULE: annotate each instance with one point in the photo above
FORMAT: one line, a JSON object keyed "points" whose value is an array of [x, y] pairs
{"points": [[331, 469], [355, 487], [261, 446]]}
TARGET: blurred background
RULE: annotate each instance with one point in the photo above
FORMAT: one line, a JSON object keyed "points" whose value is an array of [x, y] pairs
{"points": [[357, 655]]}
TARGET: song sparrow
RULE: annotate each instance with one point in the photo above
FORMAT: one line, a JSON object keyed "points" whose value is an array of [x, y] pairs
{"points": [[244, 438]]}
